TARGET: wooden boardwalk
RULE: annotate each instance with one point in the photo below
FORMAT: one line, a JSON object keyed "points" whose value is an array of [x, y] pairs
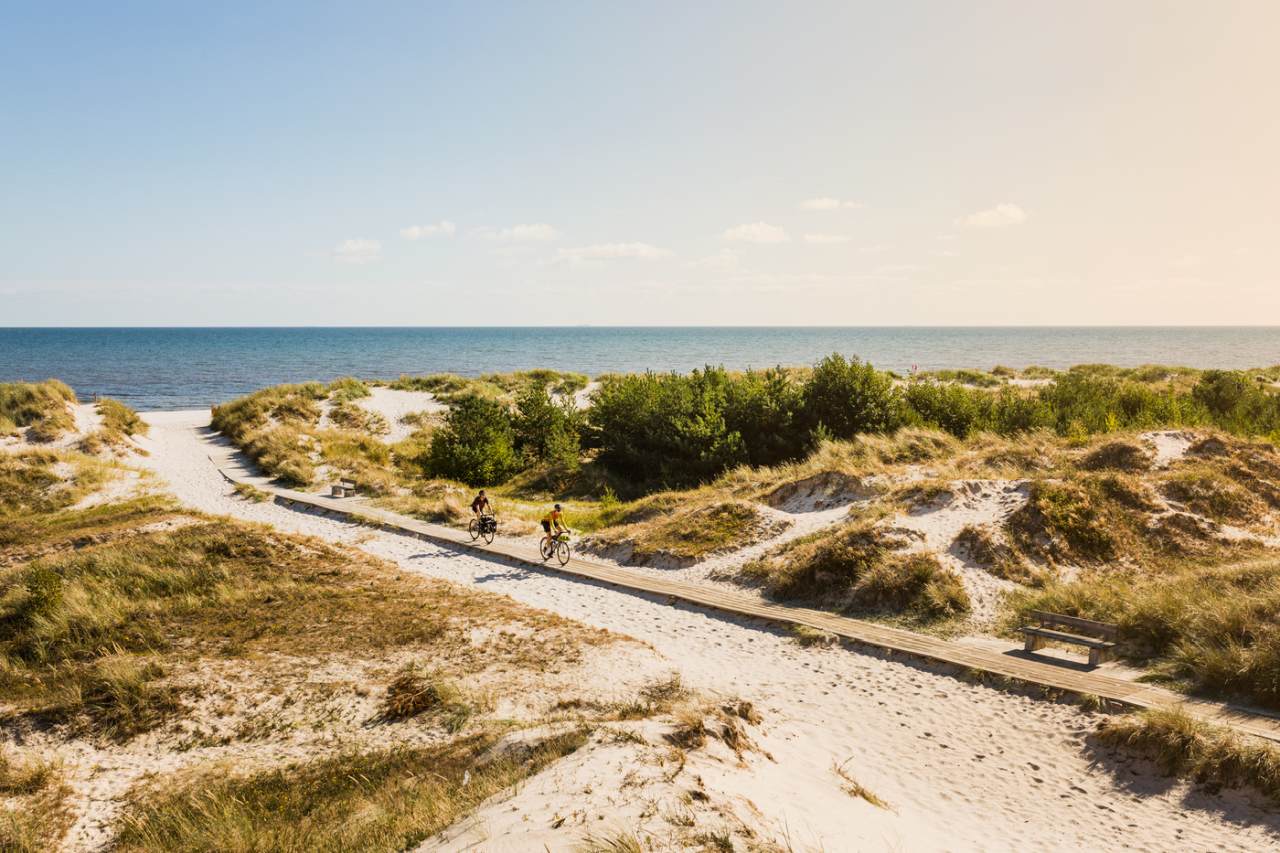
{"points": [[1014, 664]]}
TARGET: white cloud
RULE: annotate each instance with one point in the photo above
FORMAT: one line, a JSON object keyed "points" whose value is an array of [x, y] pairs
{"points": [[821, 239], [829, 203], [611, 251], [725, 259], [757, 232], [358, 251], [443, 228], [523, 233], [1000, 216]]}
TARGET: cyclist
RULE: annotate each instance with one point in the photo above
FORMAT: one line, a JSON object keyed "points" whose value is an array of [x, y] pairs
{"points": [[553, 524], [480, 505]]}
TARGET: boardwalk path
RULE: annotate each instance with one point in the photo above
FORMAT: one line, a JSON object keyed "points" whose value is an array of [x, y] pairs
{"points": [[1014, 664]]}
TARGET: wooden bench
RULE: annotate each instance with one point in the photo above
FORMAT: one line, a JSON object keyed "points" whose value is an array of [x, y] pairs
{"points": [[1098, 637], [344, 488]]}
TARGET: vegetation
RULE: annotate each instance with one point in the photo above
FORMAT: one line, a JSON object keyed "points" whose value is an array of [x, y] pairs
{"points": [[42, 407], [859, 568], [33, 809], [684, 530], [120, 619], [499, 387], [385, 800], [1211, 756]]}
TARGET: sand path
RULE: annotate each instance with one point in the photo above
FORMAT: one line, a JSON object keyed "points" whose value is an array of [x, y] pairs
{"points": [[964, 767]]}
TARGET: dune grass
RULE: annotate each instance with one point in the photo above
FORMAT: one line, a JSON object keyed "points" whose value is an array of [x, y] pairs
{"points": [[385, 800], [1212, 756], [33, 805], [858, 568], [87, 636], [120, 418], [1210, 629], [42, 407], [504, 387], [694, 527]]}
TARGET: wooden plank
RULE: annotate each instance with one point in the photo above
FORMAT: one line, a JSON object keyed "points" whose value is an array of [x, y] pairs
{"points": [[1102, 629], [1064, 637], [892, 640]]}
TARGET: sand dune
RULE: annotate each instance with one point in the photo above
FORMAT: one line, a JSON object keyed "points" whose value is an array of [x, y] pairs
{"points": [[964, 767]]}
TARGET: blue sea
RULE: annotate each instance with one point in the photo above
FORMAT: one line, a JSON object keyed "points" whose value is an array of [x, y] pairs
{"points": [[176, 368]]}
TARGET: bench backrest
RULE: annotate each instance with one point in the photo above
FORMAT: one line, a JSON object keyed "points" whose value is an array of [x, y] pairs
{"points": [[1078, 624], [347, 484]]}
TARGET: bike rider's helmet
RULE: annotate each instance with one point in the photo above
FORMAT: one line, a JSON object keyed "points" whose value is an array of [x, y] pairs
{"points": [[482, 493], [557, 507]]}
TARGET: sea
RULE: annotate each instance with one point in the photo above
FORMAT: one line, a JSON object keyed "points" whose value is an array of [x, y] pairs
{"points": [[182, 368]]}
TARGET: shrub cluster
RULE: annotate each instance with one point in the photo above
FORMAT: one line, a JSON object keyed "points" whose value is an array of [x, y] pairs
{"points": [[680, 430]]}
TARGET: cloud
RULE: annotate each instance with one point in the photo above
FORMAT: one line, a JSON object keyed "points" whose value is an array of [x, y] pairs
{"points": [[523, 233], [822, 239], [829, 203], [611, 251], [725, 259], [1000, 216], [358, 251], [443, 228], [757, 232]]}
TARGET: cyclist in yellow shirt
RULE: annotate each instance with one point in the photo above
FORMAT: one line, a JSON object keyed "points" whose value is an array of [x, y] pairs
{"points": [[553, 524]]}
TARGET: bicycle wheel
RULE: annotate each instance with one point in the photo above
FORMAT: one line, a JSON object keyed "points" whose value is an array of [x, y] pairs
{"points": [[562, 552], [474, 529], [490, 530], [546, 549]]}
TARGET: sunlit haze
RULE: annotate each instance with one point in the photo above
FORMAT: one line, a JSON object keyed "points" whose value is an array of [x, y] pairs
{"points": [[658, 163]]}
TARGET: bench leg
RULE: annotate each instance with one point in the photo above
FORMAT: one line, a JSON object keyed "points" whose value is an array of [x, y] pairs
{"points": [[1095, 657], [1033, 642]]}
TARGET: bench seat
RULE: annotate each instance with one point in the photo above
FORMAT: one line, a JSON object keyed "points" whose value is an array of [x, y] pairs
{"points": [[1099, 650]]}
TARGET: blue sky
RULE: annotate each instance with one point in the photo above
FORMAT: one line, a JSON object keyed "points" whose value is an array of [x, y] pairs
{"points": [[470, 163]]}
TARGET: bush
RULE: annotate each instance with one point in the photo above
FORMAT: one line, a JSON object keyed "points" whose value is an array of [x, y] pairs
{"points": [[666, 428], [548, 433], [476, 445], [848, 396], [915, 583]]}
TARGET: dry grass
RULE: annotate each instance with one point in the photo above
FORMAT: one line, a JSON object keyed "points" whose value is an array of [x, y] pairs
{"points": [[690, 531], [988, 549], [858, 568], [1209, 629], [250, 492], [1118, 456], [1209, 755], [385, 800], [412, 694], [119, 418], [215, 589], [42, 407], [33, 805], [854, 788]]}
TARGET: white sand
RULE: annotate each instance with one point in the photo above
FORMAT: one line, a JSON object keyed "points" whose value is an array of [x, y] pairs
{"points": [[933, 528], [964, 767], [394, 405], [1169, 445]]}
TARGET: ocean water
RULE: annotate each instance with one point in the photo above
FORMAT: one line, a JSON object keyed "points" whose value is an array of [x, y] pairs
{"points": [[175, 368]]}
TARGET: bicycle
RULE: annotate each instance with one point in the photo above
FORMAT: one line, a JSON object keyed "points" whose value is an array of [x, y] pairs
{"points": [[486, 526], [557, 546]]}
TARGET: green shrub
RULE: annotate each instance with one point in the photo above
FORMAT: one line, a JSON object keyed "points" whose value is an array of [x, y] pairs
{"points": [[548, 433], [476, 445], [848, 396]]}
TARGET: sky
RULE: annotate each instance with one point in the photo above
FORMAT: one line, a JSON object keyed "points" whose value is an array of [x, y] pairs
{"points": [[665, 163]]}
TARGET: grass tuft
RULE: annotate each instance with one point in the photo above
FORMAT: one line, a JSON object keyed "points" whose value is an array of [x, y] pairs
{"points": [[1180, 745]]}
